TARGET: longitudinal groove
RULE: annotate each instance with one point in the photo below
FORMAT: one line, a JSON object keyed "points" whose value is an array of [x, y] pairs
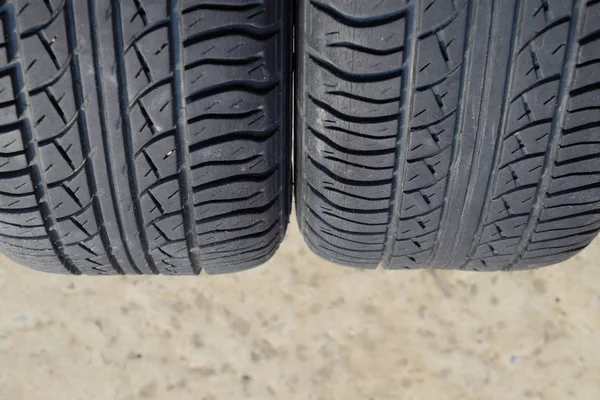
{"points": [[108, 157], [450, 190], [284, 15], [31, 139], [501, 128], [182, 140], [127, 133], [566, 81], [84, 137]]}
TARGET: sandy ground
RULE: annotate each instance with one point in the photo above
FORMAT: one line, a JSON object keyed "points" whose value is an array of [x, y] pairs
{"points": [[300, 328]]}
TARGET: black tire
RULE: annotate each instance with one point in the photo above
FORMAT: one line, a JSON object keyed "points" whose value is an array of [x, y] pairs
{"points": [[144, 137], [448, 133]]}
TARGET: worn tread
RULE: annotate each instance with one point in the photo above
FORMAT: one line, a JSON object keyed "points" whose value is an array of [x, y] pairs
{"points": [[397, 107]]}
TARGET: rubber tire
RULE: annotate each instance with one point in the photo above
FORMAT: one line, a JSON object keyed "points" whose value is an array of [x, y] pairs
{"points": [[144, 137], [448, 134]]}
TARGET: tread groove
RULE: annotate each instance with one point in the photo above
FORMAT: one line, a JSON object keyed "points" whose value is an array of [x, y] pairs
{"points": [[567, 77], [31, 138], [127, 133], [105, 138], [509, 82], [85, 141], [182, 137]]}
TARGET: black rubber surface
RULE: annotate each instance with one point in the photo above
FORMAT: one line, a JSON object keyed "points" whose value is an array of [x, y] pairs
{"points": [[448, 133], [142, 136]]}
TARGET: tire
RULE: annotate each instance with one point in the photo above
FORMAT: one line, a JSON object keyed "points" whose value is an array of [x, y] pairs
{"points": [[448, 134], [144, 137]]}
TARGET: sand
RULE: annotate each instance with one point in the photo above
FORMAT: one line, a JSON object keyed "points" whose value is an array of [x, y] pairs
{"points": [[301, 328]]}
